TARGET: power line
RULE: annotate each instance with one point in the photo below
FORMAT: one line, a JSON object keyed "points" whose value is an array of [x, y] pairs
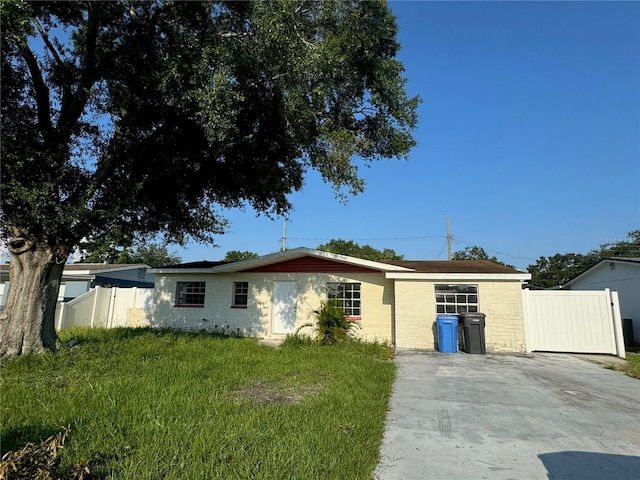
{"points": [[369, 239], [495, 251]]}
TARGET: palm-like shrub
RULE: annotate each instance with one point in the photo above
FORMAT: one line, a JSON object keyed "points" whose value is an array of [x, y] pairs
{"points": [[333, 326]]}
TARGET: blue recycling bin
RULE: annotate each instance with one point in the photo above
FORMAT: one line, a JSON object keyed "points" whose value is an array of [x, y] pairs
{"points": [[447, 333]]}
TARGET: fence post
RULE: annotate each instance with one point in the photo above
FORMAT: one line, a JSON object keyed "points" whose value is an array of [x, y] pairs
{"points": [[95, 301], [60, 315], [614, 302], [526, 313], [112, 306]]}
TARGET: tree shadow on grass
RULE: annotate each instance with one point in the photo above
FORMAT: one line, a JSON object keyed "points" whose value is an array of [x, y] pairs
{"points": [[590, 466], [17, 437], [34, 453], [80, 336]]}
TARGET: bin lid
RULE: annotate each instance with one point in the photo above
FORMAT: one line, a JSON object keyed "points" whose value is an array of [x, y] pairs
{"points": [[447, 318]]}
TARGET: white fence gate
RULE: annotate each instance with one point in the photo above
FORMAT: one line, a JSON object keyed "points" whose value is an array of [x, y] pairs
{"points": [[573, 321], [107, 307]]}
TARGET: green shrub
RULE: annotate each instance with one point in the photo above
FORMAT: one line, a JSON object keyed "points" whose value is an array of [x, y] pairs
{"points": [[333, 326], [297, 340]]}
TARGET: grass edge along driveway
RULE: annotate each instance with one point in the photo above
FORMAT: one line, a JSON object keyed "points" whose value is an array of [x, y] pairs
{"points": [[147, 404]]}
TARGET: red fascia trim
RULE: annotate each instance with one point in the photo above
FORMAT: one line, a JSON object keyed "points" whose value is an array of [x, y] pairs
{"points": [[354, 319]]}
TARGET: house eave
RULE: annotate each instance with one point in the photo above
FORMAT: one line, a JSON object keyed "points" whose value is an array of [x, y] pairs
{"points": [[458, 276], [179, 271], [304, 252]]}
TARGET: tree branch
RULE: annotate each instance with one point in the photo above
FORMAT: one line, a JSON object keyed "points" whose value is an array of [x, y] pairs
{"points": [[74, 104], [40, 88], [47, 42]]}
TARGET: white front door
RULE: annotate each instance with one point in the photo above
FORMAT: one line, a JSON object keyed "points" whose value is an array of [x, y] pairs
{"points": [[284, 307]]}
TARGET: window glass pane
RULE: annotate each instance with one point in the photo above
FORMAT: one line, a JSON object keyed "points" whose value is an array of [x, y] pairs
{"points": [[190, 293], [456, 298], [346, 295], [240, 297]]}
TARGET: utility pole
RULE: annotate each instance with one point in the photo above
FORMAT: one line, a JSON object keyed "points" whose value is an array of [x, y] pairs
{"points": [[449, 237], [284, 236]]}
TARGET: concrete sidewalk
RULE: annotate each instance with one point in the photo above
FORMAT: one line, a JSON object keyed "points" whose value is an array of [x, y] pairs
{"points": [[498, 416]]}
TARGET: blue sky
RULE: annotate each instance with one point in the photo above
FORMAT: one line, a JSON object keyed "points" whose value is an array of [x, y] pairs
{"points": [[529, 140]]}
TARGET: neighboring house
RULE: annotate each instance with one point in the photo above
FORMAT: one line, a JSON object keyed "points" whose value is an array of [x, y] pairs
{"points": [[78, 278], [620, 274], [397, 301]]}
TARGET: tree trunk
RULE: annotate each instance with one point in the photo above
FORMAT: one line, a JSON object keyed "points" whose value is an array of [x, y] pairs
{"points": [[27, 321]]}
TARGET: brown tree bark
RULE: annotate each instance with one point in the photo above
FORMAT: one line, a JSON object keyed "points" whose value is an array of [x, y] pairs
{"points": [[27, 321]]}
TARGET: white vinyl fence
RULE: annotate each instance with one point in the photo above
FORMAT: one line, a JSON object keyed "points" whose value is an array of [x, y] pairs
{"points": [[577, 321], [107, 307]]}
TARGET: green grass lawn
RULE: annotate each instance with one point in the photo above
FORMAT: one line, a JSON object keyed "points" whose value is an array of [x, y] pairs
{"points": [[632, 367], [144, 404]]}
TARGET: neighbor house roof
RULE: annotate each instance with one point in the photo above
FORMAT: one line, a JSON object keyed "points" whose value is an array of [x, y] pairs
{"points": [[84, 270], [407, 269], [630, 260]]}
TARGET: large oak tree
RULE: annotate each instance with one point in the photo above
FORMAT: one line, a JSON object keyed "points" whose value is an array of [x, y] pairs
{"points": [[133, 119]]}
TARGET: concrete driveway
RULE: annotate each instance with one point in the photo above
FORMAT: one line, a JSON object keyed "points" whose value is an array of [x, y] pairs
{"points": [[498, 416]]}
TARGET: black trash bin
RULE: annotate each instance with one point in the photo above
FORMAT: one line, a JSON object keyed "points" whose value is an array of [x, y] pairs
{"points": [[473, 332]]}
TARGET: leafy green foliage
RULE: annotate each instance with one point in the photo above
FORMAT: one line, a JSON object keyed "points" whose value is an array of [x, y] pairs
{"points": [[476, 253], [352, 249], [142, 118], [629, 247], [332, 323], [237, 255], [560, 268], [150, 254]]}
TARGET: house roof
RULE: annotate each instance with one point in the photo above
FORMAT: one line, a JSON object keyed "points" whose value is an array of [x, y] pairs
{"points": [[279, 257], [455, 266], [631, 260], [408, 269], [200, 264], [84, 270]]}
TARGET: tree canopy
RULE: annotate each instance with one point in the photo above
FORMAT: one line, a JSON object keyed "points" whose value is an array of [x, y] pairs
{"points": [[475, 252], [142, 118], [352, 249], [560, 268], [104, 250], [237, 255]]}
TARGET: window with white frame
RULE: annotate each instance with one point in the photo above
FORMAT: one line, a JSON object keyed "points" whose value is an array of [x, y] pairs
{"points": [[190, 294], [456, 299], [240, 294], [347, 295]]}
